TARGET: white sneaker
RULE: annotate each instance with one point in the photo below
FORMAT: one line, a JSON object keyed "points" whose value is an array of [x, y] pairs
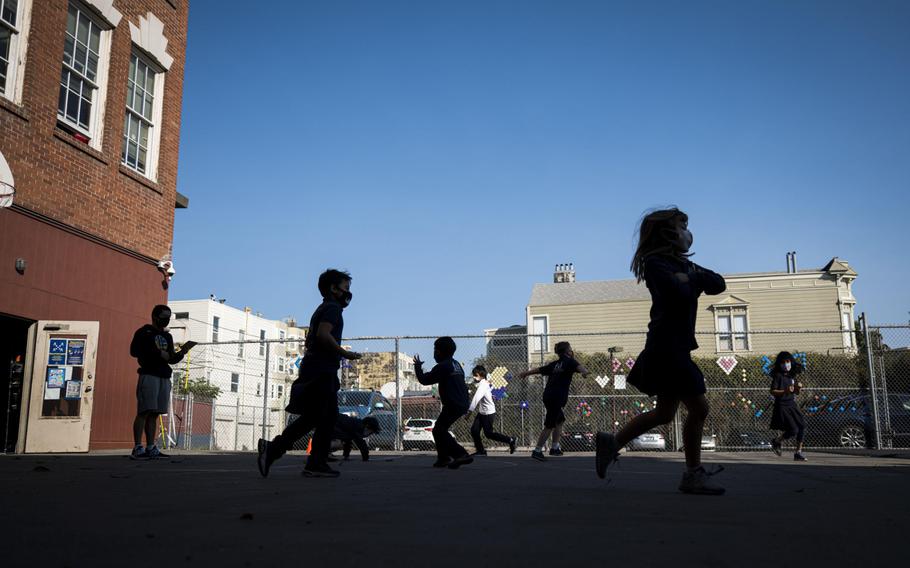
{"points": [[698, 482]]}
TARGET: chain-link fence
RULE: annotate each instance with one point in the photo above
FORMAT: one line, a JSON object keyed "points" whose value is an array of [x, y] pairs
{"points": [[856, 389]]}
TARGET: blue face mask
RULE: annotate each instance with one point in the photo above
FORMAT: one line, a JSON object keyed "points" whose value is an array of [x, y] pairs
{"points": [[787, 366]]}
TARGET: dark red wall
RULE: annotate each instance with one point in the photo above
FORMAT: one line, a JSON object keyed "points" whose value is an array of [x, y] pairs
{"points": [[72, 278]]}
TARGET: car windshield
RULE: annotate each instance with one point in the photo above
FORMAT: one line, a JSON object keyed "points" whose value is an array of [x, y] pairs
{"points": [[419, 423], [353, 398]]}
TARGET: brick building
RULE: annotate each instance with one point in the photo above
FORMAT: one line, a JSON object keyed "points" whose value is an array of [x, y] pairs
{"points": [[90, 101]]}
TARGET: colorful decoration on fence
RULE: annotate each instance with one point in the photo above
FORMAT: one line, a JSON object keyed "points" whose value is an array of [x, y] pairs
{"points": [[727, 363], [766, 364], [584, 409], [630, 362], [499, 394], [616, 364], [619, 382], [602, 381], [500, 377], [802, 359]]}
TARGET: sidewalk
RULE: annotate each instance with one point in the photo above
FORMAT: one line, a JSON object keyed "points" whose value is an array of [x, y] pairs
{"points": [[215, 510]]}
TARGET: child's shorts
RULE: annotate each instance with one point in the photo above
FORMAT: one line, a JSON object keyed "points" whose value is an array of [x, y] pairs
{"points": [[555, 416]]}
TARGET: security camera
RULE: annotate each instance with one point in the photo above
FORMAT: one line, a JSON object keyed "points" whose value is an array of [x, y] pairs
{"points": [[167, 267]]}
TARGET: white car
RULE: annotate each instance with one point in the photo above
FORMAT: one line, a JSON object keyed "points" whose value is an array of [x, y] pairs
{"points": [[418, 434], [649, 441]]}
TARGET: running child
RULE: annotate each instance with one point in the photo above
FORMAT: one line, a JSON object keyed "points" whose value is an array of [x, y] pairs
{"points": [[314, 395], [453, 393], [351, 432], [483, 403], [786, 416], [555, 396], [665, 368]]}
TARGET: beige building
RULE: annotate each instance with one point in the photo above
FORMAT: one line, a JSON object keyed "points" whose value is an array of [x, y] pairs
{"points": [[378, 368], [820, 300]]}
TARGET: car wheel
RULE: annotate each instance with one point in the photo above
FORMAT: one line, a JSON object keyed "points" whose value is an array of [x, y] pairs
{"points": [[852, 436]]}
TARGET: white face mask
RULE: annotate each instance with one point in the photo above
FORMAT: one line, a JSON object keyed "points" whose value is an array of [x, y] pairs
{"points": [[787, 366]]}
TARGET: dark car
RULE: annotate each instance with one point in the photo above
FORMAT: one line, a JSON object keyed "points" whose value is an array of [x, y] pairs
{"points": [[848, 421], [578, 441], [361, 403], [385, 438]]}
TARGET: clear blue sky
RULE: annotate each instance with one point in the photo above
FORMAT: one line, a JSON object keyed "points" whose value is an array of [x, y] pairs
{"points": [[450, 153]]}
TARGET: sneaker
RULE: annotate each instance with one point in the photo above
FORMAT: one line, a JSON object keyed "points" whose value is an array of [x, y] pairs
{"points": [[460, 461], [511, 445], [776, 447], [606, 453], [480, 453], [442, 462], [264, 460], [555, 452], [331, 459], [138, 453], [538, 455], [320, 471], [154, 453], [798, 456], [698, 482]]}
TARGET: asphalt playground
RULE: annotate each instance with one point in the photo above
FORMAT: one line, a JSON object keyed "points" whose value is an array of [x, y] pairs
{"points": [[215, 510]]}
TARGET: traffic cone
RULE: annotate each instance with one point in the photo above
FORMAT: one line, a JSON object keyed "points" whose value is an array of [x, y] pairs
{"points": [[309, 447]]}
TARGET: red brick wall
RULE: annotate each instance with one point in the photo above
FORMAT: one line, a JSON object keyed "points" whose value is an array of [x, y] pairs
{"points": [[88, 189], [72, 276]]}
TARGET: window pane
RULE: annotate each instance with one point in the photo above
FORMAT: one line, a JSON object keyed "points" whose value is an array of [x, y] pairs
{"points": [[723, 323], [95, 38], [739, 323], [69, 50], [92, 66], [143, 135], [147, 110], [132, 76], [82, 29], [5, 36], [726, 343], [71, 21], [84, 112], [9, 11], [72, 106]]}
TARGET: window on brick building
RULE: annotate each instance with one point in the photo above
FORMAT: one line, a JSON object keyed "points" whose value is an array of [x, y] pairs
{"points": [[84, 72], [143, 111], [13, 23]]}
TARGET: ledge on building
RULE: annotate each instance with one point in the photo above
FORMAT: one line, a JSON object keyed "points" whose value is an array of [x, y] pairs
{"points": [[182, 201]]}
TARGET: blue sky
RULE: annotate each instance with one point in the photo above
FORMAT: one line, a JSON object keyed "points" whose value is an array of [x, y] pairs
{"points": [[450, 153]]}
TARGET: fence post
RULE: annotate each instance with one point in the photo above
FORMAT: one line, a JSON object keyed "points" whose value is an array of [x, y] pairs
{"points": [[265, 391], [871, 364], [398, 393], [212, 429]]}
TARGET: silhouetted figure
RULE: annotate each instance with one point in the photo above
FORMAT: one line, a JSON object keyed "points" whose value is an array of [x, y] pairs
{"points": [[555, 396], [665, 368], [314, 395], [453, 393], [786, 415], [351, 432]]}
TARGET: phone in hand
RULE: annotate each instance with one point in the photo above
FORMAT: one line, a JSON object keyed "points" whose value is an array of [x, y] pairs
{"points": [[186, 346]]}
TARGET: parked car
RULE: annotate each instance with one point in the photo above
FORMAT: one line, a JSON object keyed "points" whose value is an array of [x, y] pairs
{"points": [[385, 438], [848, 422], [708, 443], [752, 440], [361, 403], [648, 441], [579, 441], [418, 434]]}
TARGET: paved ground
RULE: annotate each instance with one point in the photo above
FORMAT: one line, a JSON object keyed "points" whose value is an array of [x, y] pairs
{"points": [[215, 510]]}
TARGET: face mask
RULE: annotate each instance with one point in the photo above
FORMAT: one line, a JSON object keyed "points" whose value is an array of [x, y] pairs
{"points": [[344, 298], [686, 239], [161, 321], [787, 366]]}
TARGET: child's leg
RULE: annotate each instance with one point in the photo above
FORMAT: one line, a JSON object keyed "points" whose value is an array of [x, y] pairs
{"points": [[557, 435], [542, 439], [697, 411], [487, 423], [663, 413], [446, 446], [475, 433]]}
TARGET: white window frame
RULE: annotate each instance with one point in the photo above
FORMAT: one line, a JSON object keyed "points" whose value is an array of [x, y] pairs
{"points": [[731, 335], [540, 344], [152, 151], [846, 318], [235, 385], [216, 326], [281, 364], [95, 130], [18, 47]]}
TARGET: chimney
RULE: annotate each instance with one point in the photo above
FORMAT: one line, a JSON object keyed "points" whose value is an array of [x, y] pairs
{"points": [[564, 273], [793, 256]]}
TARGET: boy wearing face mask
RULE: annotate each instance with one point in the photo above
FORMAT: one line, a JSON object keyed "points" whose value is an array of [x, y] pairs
{"points": [[453, 393], [483, 403], [314, 395], [786, 416], [153, 347]]}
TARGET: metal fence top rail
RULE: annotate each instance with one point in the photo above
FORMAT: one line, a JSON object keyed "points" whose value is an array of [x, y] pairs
{"points": [[560, 334]]}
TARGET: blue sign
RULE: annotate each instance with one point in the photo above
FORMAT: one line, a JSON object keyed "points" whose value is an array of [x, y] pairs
{"points": [[56, 352], [75, 352]]}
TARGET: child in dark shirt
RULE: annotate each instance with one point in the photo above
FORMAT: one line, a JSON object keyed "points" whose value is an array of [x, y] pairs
{"points": [[665, 368], [786, 416], [555, 396], [351, 432], [453, 393]]}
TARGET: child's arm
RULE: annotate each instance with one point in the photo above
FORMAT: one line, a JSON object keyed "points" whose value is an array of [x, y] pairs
{"points": [[710, 282], [581, 369], [529, 372], [425, 379], [478, 396]]}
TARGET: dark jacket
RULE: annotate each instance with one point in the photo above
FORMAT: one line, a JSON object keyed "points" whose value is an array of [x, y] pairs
{"points": [[675, 304], [449, 375], [349, 431]]}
